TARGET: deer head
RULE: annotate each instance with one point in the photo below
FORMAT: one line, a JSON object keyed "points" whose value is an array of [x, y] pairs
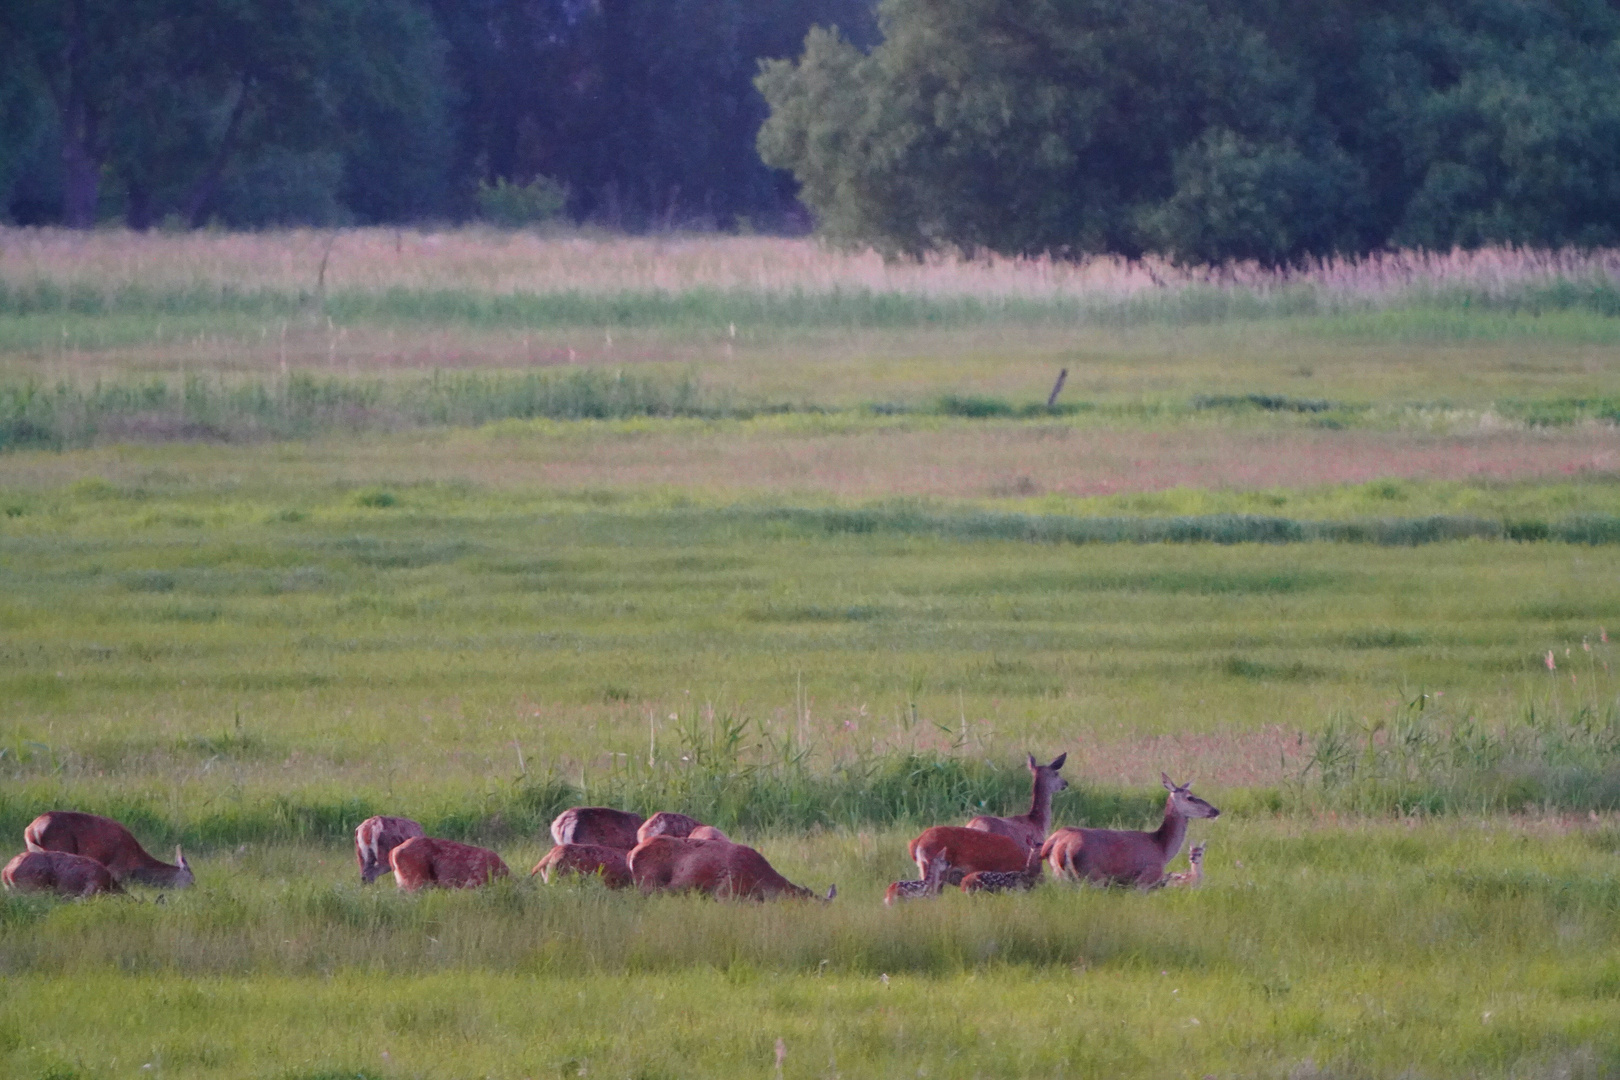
{"points": [[184, 876], [1184, 803]]}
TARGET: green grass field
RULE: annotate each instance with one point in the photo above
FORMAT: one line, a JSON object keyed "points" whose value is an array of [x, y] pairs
{"points": [[811, 560]]}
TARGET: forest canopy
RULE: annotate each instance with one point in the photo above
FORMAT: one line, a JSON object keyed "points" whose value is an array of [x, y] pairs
{"points": [[1208, 130]]}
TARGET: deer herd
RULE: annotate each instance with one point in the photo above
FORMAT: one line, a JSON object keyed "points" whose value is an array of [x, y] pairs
{"points": [[76, 854]]}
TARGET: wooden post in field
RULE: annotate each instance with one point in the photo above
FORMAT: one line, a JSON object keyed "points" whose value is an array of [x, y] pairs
{"points": [[1057, 387]]}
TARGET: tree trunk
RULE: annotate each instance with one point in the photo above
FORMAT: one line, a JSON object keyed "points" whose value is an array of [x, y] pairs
{"points": [[196, 204], [81, 167]]}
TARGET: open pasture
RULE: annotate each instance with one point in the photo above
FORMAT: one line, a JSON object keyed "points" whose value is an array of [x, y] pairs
{"points": [[473, 528]]}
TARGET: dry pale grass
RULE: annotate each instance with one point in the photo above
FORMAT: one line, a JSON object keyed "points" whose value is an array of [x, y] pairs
{"points": [[488, 261], [1227, 759]]}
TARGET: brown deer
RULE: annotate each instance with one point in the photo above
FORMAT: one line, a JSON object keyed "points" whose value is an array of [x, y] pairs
{"points": [[375, 838], [1193, 876], [1005, 880], [109, 844], [716, 868], [584, 860], [424, 861], [1030, 829], [1123, 857], [58, 872], [965, 851], [708, 832], [666, 823], [928, 885], [596, 825]]}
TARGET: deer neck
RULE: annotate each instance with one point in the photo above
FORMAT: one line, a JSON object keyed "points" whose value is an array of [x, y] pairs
{"points": [[1171, 833], [1040, 803]]}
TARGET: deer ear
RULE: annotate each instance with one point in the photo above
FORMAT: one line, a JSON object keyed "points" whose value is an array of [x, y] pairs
{"points": [[832, 891], [1057, 762], [1031, 758], [1169, 784], [180, 858]]}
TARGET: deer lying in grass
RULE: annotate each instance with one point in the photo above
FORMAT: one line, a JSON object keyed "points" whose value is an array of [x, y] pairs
{"points": [[966, 850], [1122, 857], [928, 885], [717, 868], [597, 825], [584, 860], [1006, 880], [1193, 876], [109, 844], [425, 861], [667, 823], [375, 838], [58, 872], [1030, 829]]}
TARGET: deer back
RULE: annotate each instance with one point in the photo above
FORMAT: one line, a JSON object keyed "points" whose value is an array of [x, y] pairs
{"points": [[425, 861], [375, 837], [58, 872], [596, 825], [966, 850], [667, 823], [584, 860], [108, 843]]}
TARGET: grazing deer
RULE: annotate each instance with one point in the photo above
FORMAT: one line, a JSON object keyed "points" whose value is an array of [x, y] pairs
{"points": [[1123, 857], [59, 872], [928, 885], [375, 838], [666, 823], [596, 825], [717, 868], [1005, 880], [1030, 829], [585, 859], [707, 832], [1193, 876], [965, 851], [424, 860], [109, 844]]}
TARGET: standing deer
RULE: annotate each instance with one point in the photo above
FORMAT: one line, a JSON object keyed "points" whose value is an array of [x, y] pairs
{"points": [[1005, 880], [717, 868], [375, 838], [666, 823], [1123, 857], [596, 825], [1030, 829], [929, 884], [965, 851], [424, 861], [109, 844], [585, 859], [1193, 876], [58, 872]]}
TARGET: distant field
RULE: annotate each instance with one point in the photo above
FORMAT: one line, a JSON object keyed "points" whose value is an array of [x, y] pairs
{"points": [[474, 526]]}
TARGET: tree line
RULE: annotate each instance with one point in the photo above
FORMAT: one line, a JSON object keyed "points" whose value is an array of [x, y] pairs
{"points": [[1208, 130], [634, 113]]}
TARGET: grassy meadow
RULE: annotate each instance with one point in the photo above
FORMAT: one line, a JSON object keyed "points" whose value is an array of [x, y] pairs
{"points": [[297, 527]]}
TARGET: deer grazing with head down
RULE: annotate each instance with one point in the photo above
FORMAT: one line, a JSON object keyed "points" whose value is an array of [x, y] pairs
{"points": [[1006, 880], [1123, 857], [108, 843], [585, 860], [375, 838], [58, 872], [1030, 829], [716, 868], [928, 885], [425, 861], [966, 850], [597, 825]]}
